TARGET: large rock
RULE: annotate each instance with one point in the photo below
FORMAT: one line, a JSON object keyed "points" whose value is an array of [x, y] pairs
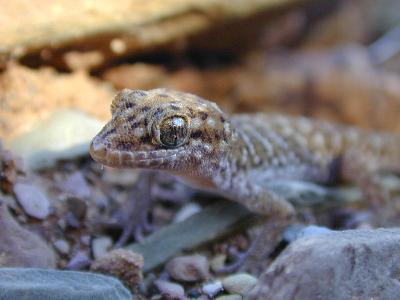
{"points": [[41, 284], [130, 25], [20, 247], [354, 264]]}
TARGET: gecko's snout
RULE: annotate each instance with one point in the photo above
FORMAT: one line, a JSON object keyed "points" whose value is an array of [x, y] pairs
{"points": [[97, 150]]}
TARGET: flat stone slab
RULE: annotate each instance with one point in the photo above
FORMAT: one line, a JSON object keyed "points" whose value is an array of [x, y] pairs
{"points": [[42, 284], [352, 264], [141, 23]]}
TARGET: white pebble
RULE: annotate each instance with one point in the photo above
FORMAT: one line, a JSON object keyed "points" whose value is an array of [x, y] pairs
{"points": [[239, 283], [100, 246], [212, 289]]}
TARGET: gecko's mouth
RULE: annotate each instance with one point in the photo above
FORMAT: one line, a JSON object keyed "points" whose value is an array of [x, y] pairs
{"points": [[129, 159]]}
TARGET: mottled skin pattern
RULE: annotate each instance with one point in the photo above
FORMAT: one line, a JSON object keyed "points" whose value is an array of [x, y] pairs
{"points": [[236, 156]]}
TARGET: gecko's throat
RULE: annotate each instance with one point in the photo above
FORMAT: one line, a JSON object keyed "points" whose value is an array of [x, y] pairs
{"points": [[105, 154]]}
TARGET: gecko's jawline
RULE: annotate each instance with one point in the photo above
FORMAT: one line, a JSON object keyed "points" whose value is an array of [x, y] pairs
{"points": [[129, 159]]}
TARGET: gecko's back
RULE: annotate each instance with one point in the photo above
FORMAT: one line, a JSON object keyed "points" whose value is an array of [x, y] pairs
{"points": [[275, 145]]}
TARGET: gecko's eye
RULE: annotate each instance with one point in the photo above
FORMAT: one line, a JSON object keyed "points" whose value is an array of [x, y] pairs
{"points": [[174, 131]]}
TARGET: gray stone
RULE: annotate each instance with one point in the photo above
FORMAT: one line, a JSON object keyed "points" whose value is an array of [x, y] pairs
{"points": [[64, 135], [79, 261], [170, 290], [353, 264], [62, 246], [42, 284], [32, 200], [20, 247]]}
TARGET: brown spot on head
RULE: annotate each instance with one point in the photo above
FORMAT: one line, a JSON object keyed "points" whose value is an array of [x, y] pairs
{"points": [[145, 108], [203, 115], [174, 107], [196, 134], [145, 139]]}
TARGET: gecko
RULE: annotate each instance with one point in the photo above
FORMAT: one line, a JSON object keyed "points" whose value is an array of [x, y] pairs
{"points": [[237, 155]]}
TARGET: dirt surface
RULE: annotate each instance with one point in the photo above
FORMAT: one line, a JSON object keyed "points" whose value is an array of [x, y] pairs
{"points": [[28, 96]]}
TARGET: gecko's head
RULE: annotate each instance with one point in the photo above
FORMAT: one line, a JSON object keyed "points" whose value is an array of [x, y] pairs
{"points": [[162, 129]]}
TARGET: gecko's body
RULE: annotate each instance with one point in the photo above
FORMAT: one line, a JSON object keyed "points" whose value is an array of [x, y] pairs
{"points": [[236, 156]]}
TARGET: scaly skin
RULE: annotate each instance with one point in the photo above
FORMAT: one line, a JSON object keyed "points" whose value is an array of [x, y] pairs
{"points": [[236, 156]]}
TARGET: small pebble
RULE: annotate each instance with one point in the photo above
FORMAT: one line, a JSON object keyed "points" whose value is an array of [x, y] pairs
{"points": [[212, 289], [32, 200], [313, 230], [193, 293], [229, 297], [170, 290], [124, 264], [72, 221], [79, 261], [62, 246], [76, 184], [188, 268], [102, 202], [85, 239], [239, 283], [62, 223], [187, 211], [100, 246], [218, 262], [297, 231]]}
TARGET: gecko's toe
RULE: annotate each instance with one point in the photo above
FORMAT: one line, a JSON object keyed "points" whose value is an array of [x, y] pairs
{"points": [[136, 229]]}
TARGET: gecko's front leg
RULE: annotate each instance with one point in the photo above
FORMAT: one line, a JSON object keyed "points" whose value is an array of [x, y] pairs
{"points": [[256, 197], [260, 200]]}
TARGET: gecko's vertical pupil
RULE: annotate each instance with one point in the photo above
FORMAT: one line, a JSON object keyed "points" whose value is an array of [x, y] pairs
{"points": [[173, 131]]}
